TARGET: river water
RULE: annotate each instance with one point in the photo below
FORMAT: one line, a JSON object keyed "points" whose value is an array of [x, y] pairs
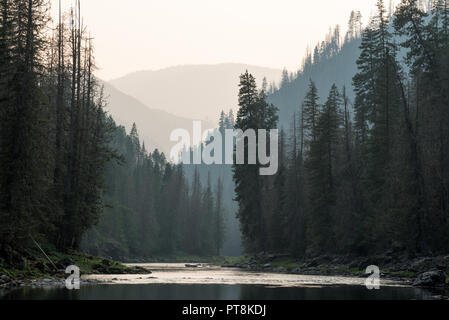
{"points": [[176, 282]]}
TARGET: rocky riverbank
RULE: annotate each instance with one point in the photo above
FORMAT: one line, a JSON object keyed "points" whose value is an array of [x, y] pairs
{"points": [[50, 282], [417, 271], [34, 270]]}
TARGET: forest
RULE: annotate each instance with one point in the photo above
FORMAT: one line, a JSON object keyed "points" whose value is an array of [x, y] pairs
{"points": [[152, 209], [54, 133], [364, 165], [66, 167], [365, 175]]}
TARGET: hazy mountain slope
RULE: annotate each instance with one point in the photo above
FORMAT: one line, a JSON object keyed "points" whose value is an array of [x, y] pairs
{"points": [[154, 126], [193, 91], [339, 69]]}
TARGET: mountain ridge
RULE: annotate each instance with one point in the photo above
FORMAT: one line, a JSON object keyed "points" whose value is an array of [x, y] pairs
{"points": [[199, 91], [154, 125], [192, 66]]}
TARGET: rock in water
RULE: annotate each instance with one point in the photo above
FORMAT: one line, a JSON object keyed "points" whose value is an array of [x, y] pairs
{"points": [[430, 279]]}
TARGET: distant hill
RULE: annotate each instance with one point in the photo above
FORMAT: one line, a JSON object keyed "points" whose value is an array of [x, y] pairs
{"points": [[154, 126], [192, 91], [339, 68]]}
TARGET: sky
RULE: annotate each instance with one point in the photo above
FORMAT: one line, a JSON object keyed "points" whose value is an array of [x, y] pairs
{"points": [[138, 35]]}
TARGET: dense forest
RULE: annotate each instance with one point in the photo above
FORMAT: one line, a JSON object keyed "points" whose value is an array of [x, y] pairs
{"points": [[54, 133], [153, 210], [363, 163], [222, 173], [362, 175], [69, 176]]}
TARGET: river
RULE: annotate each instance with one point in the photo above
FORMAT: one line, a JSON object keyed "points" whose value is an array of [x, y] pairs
{"points": [[173, 281]]}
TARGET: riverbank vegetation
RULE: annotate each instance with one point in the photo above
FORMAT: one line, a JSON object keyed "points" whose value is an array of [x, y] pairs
{"points": [[35, 265], [366, 176]]}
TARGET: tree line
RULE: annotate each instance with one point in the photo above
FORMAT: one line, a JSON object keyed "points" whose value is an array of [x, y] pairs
{"points": [[153, 210], [363, 176], [53, 131], [69, 176]]}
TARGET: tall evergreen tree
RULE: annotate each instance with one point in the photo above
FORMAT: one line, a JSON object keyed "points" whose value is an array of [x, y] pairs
{"points": [[254, 113], [321, 164], [310, 112], [24, 152]]}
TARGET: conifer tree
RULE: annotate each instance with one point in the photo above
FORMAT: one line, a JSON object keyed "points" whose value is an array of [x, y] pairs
{"points": [[310, 112], [322, 172], [254, 113]]}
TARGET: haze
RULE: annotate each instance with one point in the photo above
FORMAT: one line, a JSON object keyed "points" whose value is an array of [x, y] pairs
{"points": [[158, 34]]}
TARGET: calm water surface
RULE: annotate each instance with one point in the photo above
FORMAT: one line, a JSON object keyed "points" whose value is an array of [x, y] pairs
{"points": [[176, 282]]}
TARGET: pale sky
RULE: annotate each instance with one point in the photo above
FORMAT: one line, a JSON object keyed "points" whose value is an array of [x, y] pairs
{"points": [[138, 35]]}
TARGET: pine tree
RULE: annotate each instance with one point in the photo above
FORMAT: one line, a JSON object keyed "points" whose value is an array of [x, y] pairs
{"points": [[363, 83], [207, 220], [223, 122], [254, 113], [295, 224], [285, 80], [24, 150], [231, 120], [218, 221], [427, 46], [322, 173], [278, 217], [310, 112]]}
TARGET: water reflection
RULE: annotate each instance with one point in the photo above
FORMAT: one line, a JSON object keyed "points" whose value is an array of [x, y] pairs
{"points": [[216, 292]]}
